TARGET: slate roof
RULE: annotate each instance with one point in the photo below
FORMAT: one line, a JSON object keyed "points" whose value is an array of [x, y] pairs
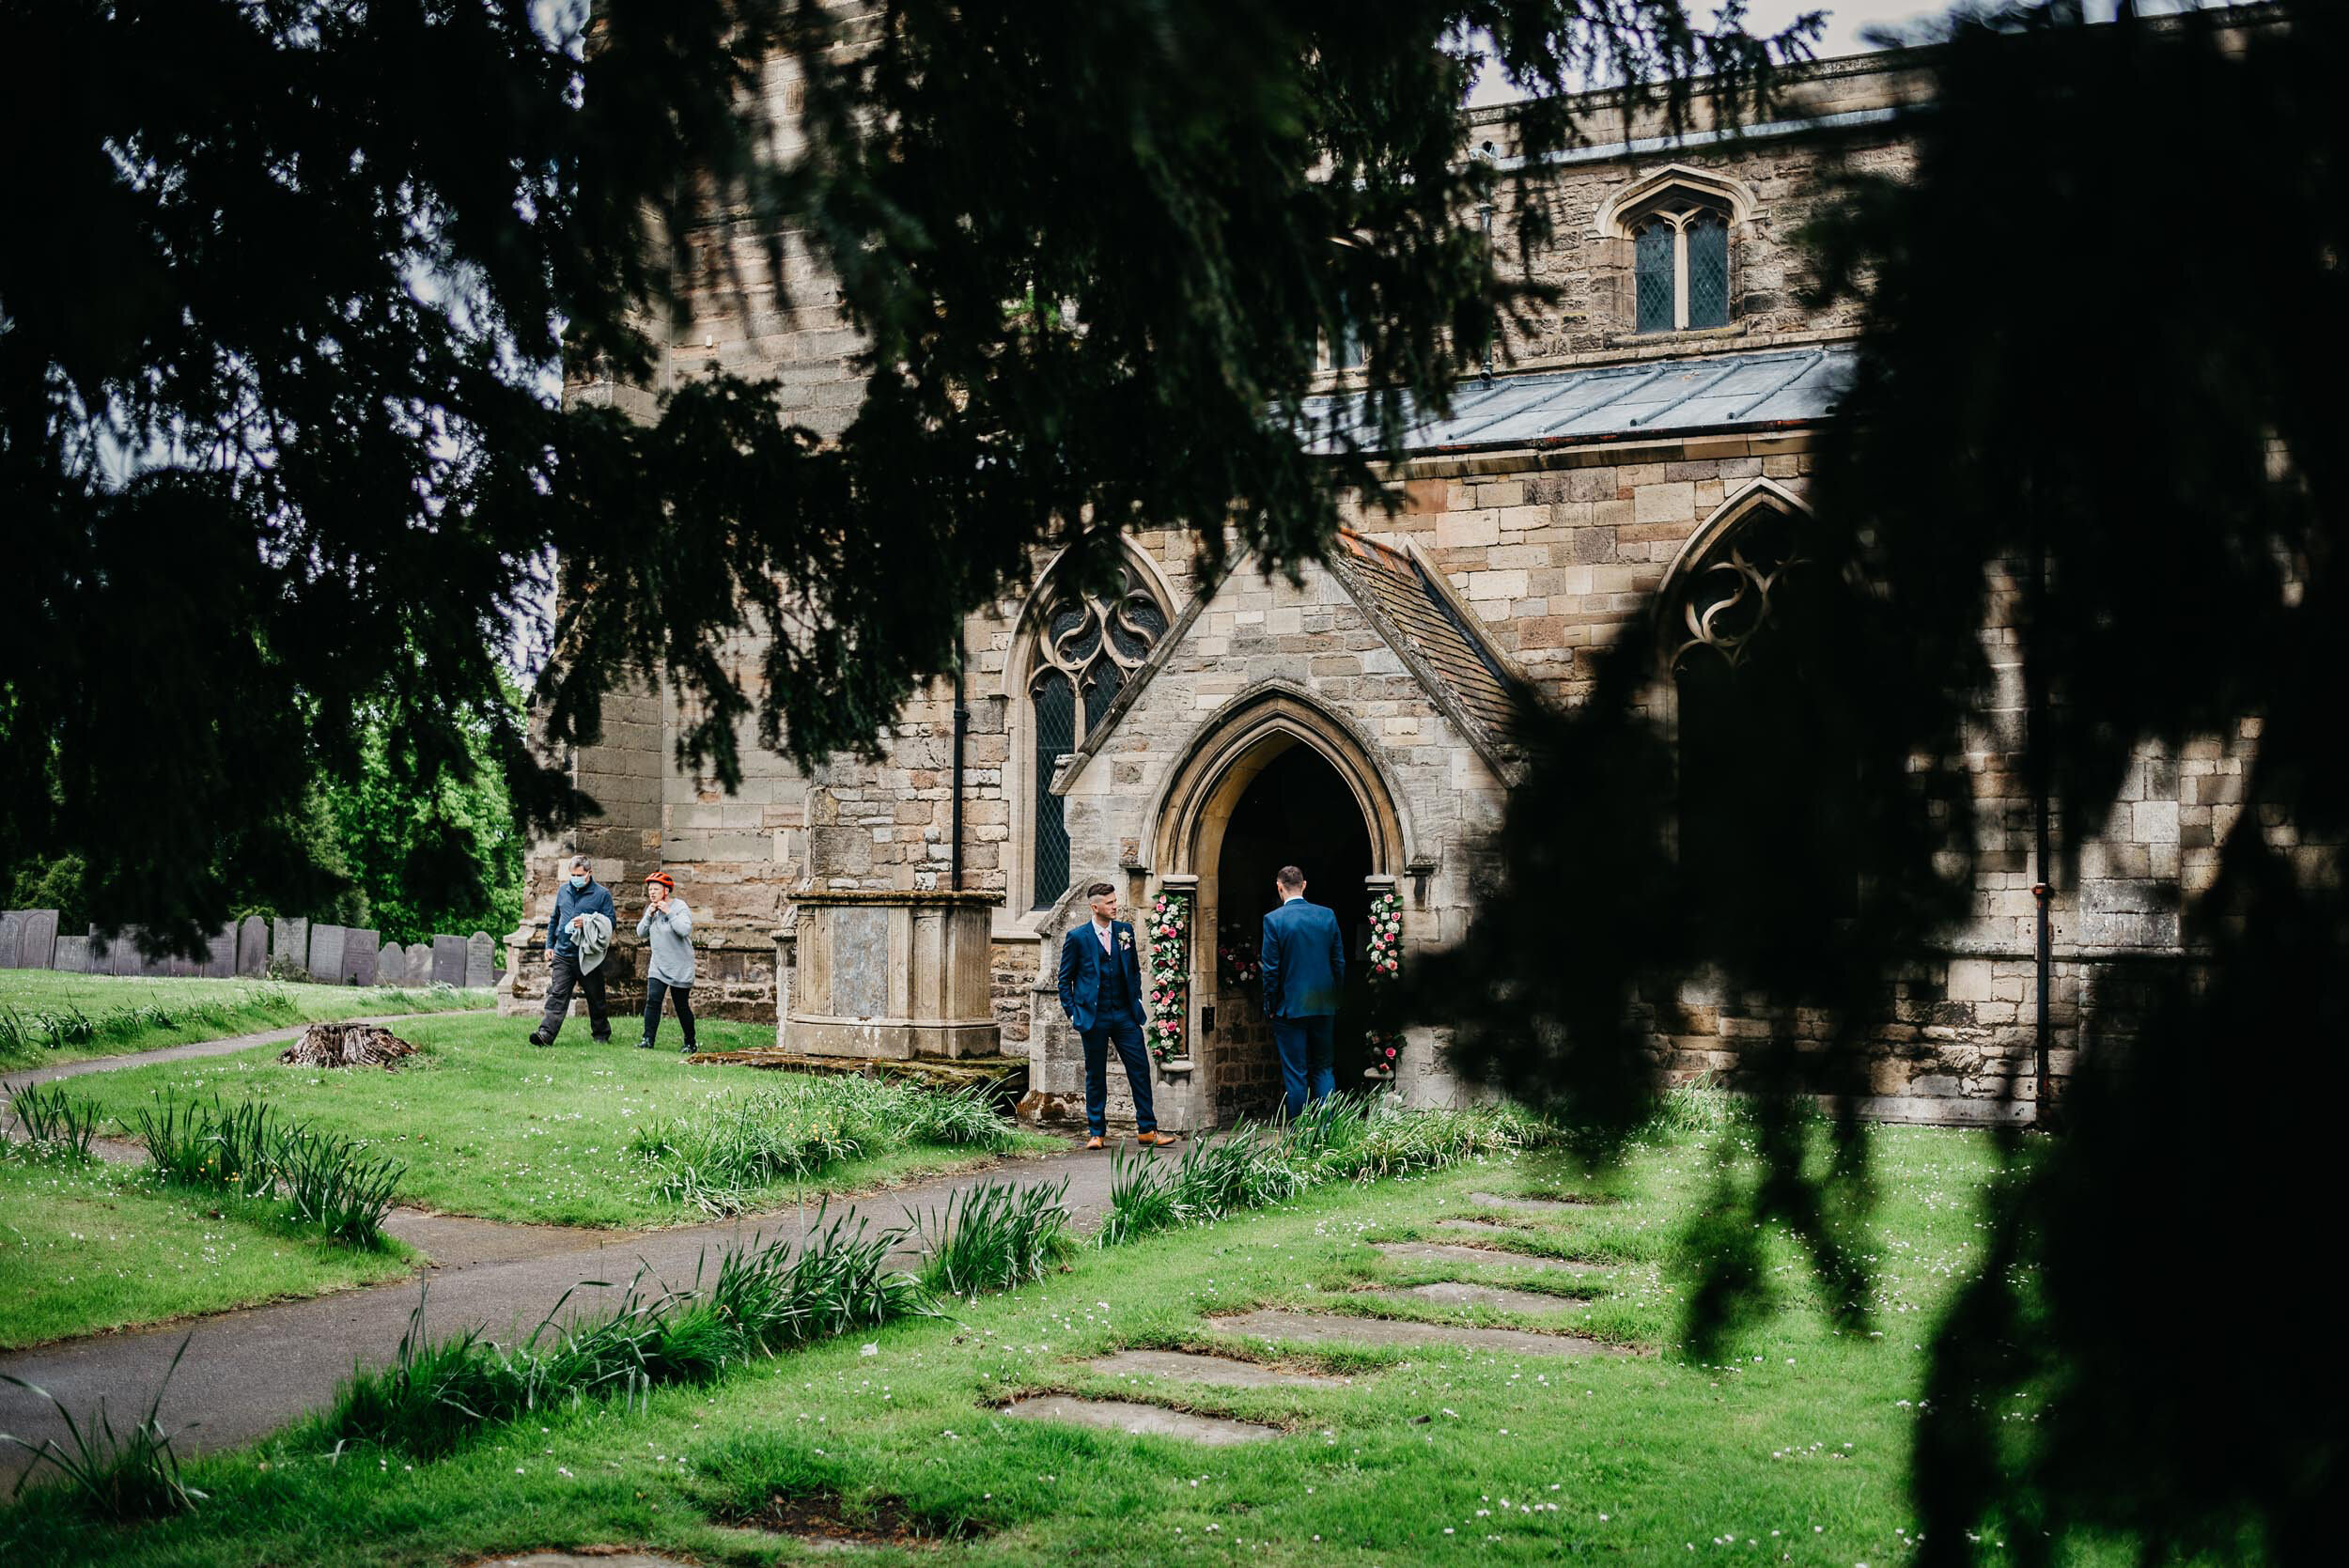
{"points": [[1755, 390], [1444, 640]]}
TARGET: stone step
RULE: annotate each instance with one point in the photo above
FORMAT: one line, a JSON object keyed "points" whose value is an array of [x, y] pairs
{"points": [[1530, 1205], [1332, 1328], [1221, 1371], [1143, 1421], [1458, 1293], [1482, 1227], [1440, 1251]]}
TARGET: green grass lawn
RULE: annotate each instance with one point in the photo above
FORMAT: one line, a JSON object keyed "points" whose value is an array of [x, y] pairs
{"points": [[488, 1125], [85, 1248], [46, 1017], [1794, 1448]]}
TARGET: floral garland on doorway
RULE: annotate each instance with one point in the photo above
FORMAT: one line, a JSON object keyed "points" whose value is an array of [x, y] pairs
{"points": [[1384, 954], [1170, 982]]}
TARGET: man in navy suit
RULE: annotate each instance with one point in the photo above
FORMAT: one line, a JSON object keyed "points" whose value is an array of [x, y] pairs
{"points": [[1304, 971], [1101, 990]]}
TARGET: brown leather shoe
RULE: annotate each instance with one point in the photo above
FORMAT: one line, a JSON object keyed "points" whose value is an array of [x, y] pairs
{"points": [[1159, 1140], [1095, 1143]]}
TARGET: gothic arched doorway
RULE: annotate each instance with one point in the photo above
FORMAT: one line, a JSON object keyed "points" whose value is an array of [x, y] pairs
{"points": [[1276, 781], [1297, 811]]}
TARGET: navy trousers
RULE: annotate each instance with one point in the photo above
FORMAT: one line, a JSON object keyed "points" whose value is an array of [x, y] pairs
{"points": [[1307, 1047], [1126, 1037]]}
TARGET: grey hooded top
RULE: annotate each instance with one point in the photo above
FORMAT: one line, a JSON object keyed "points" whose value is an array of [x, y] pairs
{"points": [[670, 928]]}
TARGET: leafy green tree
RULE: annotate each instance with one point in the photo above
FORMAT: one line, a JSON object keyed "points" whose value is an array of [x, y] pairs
{"points": [[454, 868], [278, 436]]}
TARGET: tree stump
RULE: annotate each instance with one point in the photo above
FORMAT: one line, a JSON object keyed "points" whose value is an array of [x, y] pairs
{"points": [[346, 1045]]}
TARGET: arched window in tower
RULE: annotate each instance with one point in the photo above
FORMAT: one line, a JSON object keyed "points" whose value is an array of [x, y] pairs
{"points": [[1086, 646], [1677, 224]]}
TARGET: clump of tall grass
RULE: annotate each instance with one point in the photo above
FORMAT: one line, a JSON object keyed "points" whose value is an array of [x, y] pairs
{"points": [[1342, 1138], [1697, 1105], [333, 1186], [328, 1180], [716, 1157], [762, 1299], [961, 1118], [55, 1125], [995, 1236], [199, 1144], [116, 1475]]}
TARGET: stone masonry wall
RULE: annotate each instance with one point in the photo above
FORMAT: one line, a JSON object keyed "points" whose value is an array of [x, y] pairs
{"points": [[1553, 551]]}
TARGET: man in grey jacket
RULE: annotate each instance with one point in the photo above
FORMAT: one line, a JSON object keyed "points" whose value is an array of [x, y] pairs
{"points": [[668, 925], [579, 897]]}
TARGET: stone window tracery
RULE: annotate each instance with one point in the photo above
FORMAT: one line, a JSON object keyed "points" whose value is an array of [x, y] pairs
{"points": [[1086, 646], [1725, 603]]}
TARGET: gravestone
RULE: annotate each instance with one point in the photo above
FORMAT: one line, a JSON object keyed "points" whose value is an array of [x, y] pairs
{"points": [[73, 956], [480, 961], [391, 964], [326, 955], [420, 964], [122, 954], [253, 946], [448, 960], [220, 954], [289, 944], [359, 958], [35, 941]]}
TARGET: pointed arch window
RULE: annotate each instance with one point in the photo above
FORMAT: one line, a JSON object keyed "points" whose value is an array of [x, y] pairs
{"points": [[1680, 264], [1754, 747], [1087, 645]]}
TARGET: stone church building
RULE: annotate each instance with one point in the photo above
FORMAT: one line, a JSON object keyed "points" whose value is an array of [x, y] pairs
{"points": [[1640, 450]]}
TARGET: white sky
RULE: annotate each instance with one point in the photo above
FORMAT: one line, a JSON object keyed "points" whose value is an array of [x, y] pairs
{"points": [[1844, 24]]}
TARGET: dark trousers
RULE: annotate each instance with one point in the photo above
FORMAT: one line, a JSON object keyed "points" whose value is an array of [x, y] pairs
{"points": [[1128, 1038], [680, 996], [1307, 1047], [565, 976]]}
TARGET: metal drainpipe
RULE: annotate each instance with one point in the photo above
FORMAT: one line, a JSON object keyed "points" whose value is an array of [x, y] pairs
{"points": [[962, 724], [2036, 749], [1484, 215]]}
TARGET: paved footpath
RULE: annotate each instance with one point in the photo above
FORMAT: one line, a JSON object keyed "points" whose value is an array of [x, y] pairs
{"points": [[248, 1373]]}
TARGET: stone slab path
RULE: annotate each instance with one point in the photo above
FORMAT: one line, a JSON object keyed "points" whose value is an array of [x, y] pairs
{"points": [[250, 1372], [1221, 1371], [1441, 1251], [1530, 1205], [1457, 1293], [1338, 1328], [1142, 1420]]}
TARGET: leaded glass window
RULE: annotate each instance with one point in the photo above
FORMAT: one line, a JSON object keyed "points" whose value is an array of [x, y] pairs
{"points": [[1055, 710], [1087, 646], [1680, 266], [1655, 276], [1708, 238]]}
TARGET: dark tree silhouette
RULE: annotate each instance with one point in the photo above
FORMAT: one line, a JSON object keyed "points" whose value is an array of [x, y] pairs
{"points": [[293, 286], [2105, 319]]}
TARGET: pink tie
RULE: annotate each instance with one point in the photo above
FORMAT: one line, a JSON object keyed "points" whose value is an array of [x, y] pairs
{"points": [[1103, 932]]}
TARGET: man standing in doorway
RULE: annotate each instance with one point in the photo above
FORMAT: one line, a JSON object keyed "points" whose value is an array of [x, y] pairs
{"points": [[1101, 990], [577, 934], [1304, 974]]}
